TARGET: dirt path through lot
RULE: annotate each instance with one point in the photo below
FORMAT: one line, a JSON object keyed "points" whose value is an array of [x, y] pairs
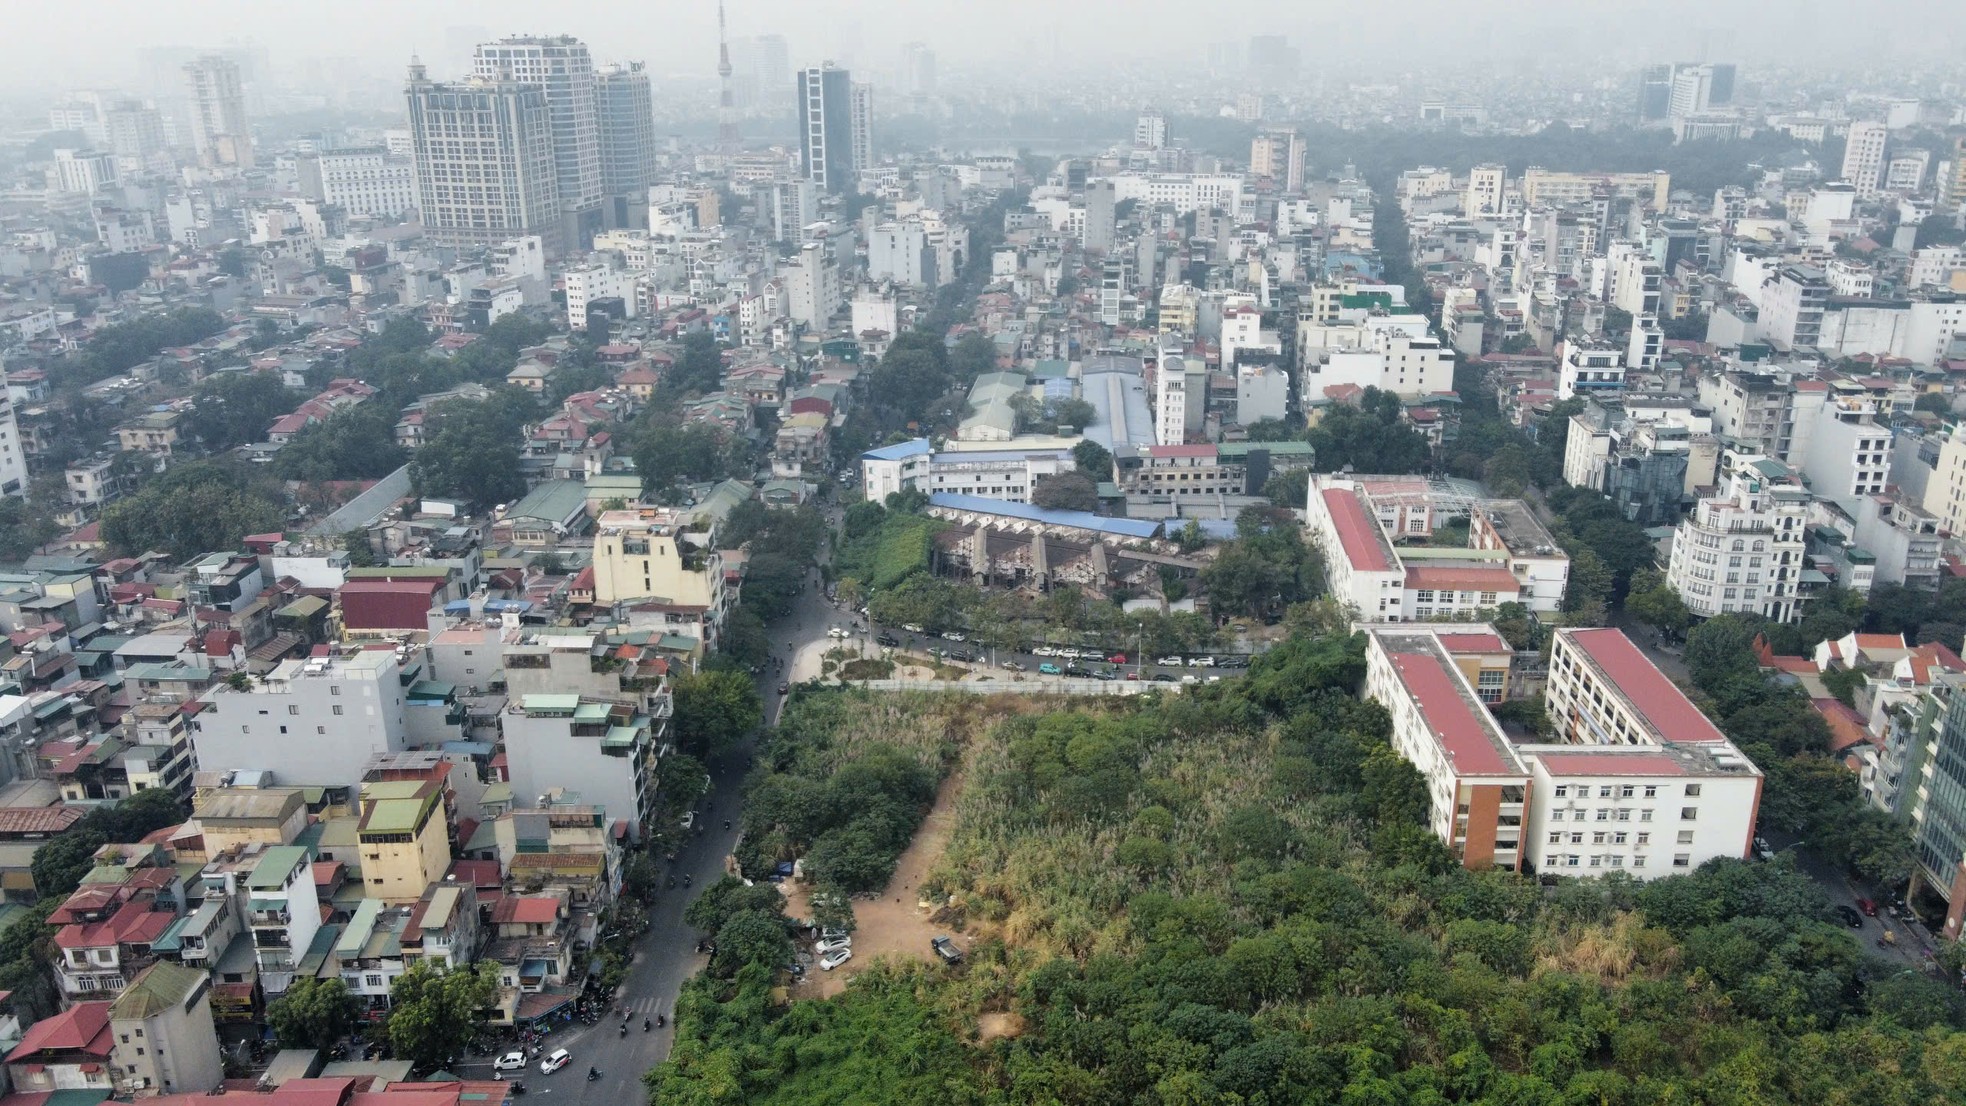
{"points": [[896, 922]]}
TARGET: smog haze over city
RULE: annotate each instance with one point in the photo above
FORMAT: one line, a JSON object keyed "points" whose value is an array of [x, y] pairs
{"points": [[983, 552]]}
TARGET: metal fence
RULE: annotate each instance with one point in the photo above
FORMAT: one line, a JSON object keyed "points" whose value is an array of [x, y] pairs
{"points": [[1021, 687]]}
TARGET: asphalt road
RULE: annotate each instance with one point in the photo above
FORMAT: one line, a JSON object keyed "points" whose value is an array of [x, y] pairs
{"points": [[665, 956]]}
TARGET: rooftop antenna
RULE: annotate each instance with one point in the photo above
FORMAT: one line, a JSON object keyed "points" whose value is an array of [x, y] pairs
{"points": [[726, 108]]}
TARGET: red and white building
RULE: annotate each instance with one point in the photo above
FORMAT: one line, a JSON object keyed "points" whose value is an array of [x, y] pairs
{"points": [[1371, 530], [1637, 779]]}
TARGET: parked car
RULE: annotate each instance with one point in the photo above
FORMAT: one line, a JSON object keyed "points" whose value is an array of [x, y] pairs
{"points": [[833, 944], [1012, 666], [1850, 917], [1172, 661], [689, 819], [1233, 662], [511, 1061], [947, 950], [559, 1059], [1762, 849], [1201, 662], [1048, 669], [1043, 651], [1077, 670], [913, 628], [1106, 674], [1117, 658], [888, 640], [954, 635], [834, 959], [1163, 678], [784, 689], [835, 631], [958, 655], [1868, 907]]}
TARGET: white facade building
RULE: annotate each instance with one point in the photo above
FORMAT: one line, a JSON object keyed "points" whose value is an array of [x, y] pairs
{"points": [[1863, 158], [1742, 548], [312, 721], [561, 67], [483, 158], [812, 287], [364, 181], [593, 282], [219, 129]]}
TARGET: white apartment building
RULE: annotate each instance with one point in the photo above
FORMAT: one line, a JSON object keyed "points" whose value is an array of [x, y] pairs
{"points": [[84, 172], [860, 114], [364, 181], [1945, 490], [1394, 353], [12, 456], [812, 287], [484, 162], [1179, 384], [588, 283], [560, 66], [1772, 413], [219, 129], [1486, 184], [1863, 157], [1849, 456], [1742, 548], [1590, 367], [310, 721], [1262, 392], [900, 252], [1184, 192]]}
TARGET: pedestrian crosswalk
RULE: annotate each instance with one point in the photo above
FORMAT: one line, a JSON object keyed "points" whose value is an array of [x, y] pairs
{"points": [[645, 1006]]}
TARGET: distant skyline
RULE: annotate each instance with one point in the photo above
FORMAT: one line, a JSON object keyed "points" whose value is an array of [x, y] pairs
{"points": [[52, 49]]}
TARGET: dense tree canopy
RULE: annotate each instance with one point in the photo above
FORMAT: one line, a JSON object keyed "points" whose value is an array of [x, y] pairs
{"points": [[352, 444], [474, 454], [194, 508], [237, 408], [1370, 438]]}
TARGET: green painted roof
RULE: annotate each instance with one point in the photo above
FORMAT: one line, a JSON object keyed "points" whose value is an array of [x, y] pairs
{"points": [[591, 712], [554, 501], [553, 704], [305, 607], [158, 988], [275, 864], [432, 689]]}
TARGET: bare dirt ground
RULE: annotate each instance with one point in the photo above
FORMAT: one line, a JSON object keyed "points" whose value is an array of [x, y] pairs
{"points": [[896, 923]]}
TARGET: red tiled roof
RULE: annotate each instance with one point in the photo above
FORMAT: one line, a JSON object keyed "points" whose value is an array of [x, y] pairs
{"points": [[527, 910], [1654, 697], [1498, 580], [1473, 643], [1880, 641], [1355, 531], [1460, 733], [83, 1027], [135, 923], [37, 819], [1846, 726]]}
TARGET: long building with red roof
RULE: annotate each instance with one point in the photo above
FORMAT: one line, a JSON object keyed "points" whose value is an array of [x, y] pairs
{"points": [[1377, 536], [1637, 779]]}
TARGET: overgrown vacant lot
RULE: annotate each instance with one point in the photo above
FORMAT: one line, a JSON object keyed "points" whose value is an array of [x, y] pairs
{"points": [[1228, 897]]}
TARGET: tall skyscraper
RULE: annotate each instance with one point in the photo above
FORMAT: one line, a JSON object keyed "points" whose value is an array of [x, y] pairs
{"points": [[626, 111], [483, 154], [561, 66], [135, 132], [219, 130], [825, 97], [1863, 158], [1654, 93], [1101, 200], [862, 123], [918, 72]]}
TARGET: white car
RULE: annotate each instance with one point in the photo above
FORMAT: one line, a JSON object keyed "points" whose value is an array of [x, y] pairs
{"points": [[954, 635], [834, 959], [689, 819], [836, 632], [560, 1059], [833, 944], [1044, 651], [912, 627], [832, 934], [1171, 662], [511, 1061], [1201, 662]]}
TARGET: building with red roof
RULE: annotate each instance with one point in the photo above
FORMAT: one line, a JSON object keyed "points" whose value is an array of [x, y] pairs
{"points": [[371, 607], [68, 1051], [1377, 536], [1636, 780]]}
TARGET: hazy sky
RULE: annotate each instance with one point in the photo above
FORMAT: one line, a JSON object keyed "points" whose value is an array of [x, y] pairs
{"points": [[50, 46]]}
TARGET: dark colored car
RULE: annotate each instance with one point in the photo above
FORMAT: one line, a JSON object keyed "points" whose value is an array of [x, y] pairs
{"points": [[947, 950], [1077, 670], [1850, 917], [888, 640]]}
